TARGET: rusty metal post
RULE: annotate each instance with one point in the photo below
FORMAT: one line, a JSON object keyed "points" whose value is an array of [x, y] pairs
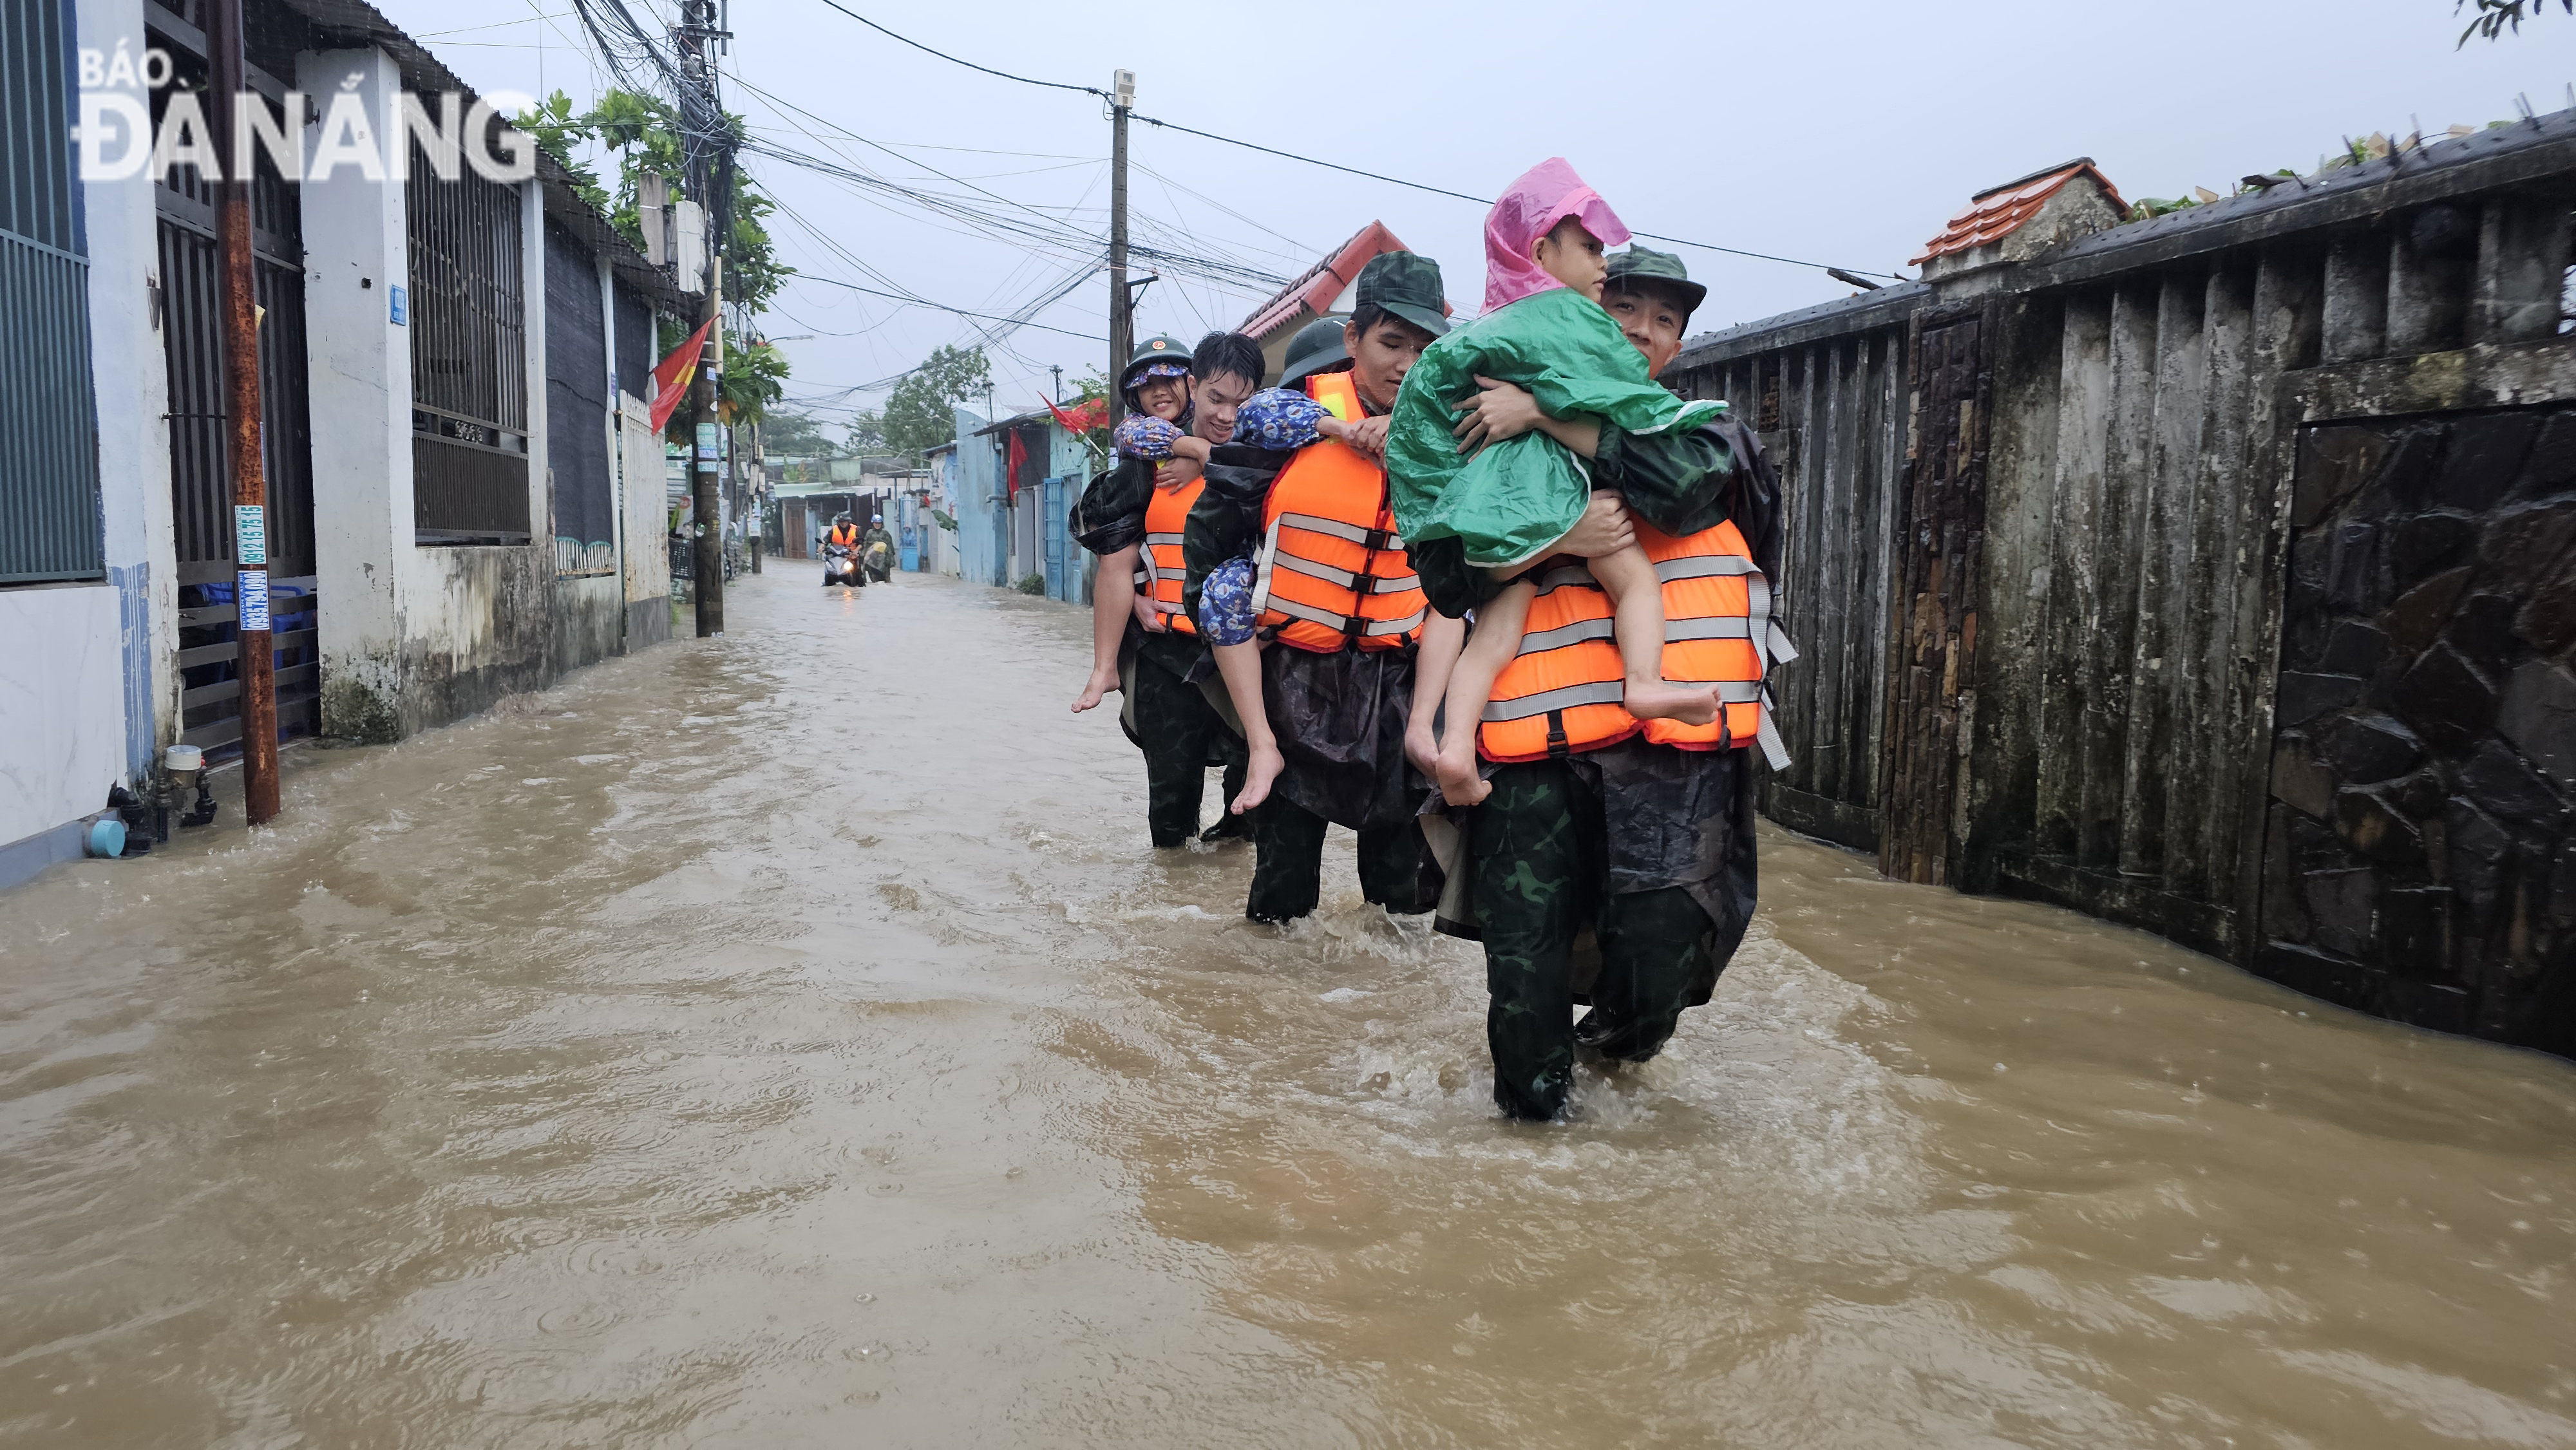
{"points": [[237, 301]]}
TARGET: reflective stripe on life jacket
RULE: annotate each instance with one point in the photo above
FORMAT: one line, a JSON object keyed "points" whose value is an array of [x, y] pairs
{"points": [[1561, 693], [1333, 572], [1159, 570]]}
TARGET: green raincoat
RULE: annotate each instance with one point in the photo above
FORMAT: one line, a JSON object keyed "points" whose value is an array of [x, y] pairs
{"points": [[1515, 498]]}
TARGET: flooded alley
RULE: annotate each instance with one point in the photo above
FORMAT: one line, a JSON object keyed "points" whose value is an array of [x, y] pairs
{"points": [[790, 1039]]}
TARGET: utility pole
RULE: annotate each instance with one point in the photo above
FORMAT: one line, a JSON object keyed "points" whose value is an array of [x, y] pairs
{"points": [[1058, 370], [238, 301], [1122, 324], [706, 561]]}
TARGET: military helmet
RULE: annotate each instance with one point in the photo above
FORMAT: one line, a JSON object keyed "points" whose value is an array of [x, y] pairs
{"points": [[1316, 348], [1160, 348]]}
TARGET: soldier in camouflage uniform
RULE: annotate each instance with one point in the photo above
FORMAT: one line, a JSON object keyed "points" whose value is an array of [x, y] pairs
{"points": [[1647, 847], [1340, 716], [1161, 707]]}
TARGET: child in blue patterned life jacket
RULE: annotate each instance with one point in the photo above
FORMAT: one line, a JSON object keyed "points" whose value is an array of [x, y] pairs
{"points": [[1278, 419], [1159, 396]]}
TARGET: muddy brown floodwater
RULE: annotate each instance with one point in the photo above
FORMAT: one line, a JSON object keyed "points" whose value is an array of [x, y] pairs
{"points": [[790, 1040]]}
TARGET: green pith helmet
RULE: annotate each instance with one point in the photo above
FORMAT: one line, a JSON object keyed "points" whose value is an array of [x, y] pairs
{"points": [[1153, 350], [1657, 269], [1316, 348], [1406, 285]]}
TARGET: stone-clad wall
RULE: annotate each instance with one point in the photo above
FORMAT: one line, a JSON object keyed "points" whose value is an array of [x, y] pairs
{"points": [[2419, 860]]}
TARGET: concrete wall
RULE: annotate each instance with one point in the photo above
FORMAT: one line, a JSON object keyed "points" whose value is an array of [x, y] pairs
{"points": [[85, 683], [62, 716], [645, 539], [412, 637], [132, 391]]}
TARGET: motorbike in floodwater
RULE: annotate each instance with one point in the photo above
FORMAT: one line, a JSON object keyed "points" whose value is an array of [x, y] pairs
{"points": [[880, 561], [841, 566]]}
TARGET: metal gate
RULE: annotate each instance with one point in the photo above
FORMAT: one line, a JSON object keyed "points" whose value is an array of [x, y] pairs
{"points": [[49, 505], [201, 495], [1063, 581]]}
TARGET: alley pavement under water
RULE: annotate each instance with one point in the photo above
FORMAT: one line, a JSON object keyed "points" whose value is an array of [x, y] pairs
{"points": [[790, 1039]]}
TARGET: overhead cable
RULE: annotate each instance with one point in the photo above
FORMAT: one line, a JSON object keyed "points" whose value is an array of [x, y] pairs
{"points": [[1313, 160], [944, 307]]}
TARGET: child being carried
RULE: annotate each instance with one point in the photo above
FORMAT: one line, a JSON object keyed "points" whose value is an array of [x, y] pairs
{"points": [[1509, 503]]}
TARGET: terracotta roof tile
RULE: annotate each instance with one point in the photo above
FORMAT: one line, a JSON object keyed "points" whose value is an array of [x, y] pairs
{"points": [[1993, 215], [1316, 288]]}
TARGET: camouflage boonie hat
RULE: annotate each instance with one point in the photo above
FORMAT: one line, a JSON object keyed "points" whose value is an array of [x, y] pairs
{"points": [[1662, 269], [1406, 285]]}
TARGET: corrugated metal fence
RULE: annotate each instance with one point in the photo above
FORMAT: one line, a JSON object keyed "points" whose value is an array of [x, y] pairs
{"points": [[2215, 574], [49, 507]]}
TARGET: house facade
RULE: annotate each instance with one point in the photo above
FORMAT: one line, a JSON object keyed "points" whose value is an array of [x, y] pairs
{"points": [[463, 493]]}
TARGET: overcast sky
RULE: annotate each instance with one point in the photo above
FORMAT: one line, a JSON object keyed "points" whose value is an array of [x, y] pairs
{"points": [[1842, 134]]}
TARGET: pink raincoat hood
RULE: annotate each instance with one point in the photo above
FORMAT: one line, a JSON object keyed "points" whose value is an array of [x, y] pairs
{"points": [[1531, 207]]}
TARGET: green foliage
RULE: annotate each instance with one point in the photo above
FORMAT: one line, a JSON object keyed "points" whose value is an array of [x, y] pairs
{"points": [[797, 435], [1034, 584], [2156, 206], [557, 130], [919, 413], [644, 131], [754, 378], [2494, 17], [864, 433]]}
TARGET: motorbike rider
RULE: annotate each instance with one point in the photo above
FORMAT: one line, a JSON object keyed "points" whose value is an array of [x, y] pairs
{"points": [[844, 536], [875, 539]]}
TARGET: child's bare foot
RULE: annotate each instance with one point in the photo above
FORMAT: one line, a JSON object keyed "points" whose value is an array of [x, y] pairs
{"points": [[1263, 769], [1423, 749], [1664, 700], [1102, 682], [1461, 784]]}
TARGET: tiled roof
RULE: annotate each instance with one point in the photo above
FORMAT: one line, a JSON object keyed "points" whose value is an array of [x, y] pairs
{"points": [[1995, 214], [1315, 289]]}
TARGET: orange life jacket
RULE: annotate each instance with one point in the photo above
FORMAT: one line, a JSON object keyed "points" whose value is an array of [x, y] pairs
{"points": [[1159, 571], [1560, 694], [845, 535], [1333, 572]]}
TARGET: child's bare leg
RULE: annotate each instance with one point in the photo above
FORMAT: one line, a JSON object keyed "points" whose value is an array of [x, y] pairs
{"points": [[1434, 658], [1471, 684], [1638, 599], [1113, 597], [1240, 667]]}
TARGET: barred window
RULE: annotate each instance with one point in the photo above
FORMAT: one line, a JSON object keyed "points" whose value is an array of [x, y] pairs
{"points": [[469, 358]]}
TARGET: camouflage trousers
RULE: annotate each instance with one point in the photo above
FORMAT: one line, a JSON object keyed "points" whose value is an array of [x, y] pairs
{"points": [[1539, 870], [1288, 864], [1180, 734]]}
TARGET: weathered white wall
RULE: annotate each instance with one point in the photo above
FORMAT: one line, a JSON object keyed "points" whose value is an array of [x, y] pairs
{"points": [[411, 637], [645, 505], [355, 254], [62, 709], [132, 391], [78, 669]]}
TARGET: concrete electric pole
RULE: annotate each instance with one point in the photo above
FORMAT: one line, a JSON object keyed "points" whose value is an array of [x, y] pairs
{"points": [[701, 118], [1122, 325]]}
